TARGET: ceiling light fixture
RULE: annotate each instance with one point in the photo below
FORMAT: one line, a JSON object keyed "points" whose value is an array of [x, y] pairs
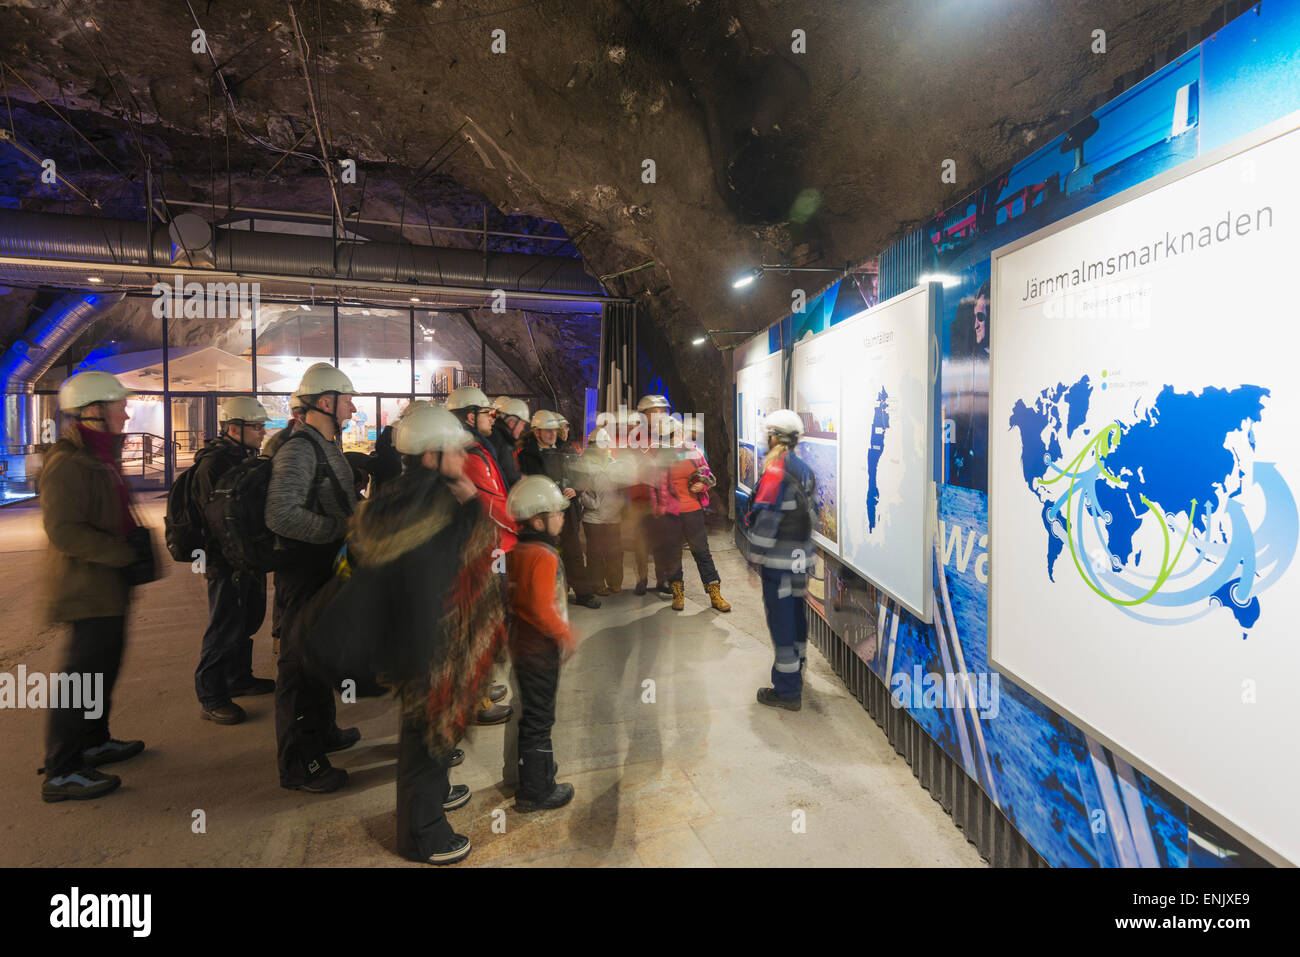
{"points": [[95, 279]]}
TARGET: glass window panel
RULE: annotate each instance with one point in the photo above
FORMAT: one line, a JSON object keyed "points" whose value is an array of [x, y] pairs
{"points": [[375, 349], [291, 338], [448, 353], [359, 432], [212, 352], [126, 341], [499, 377]]}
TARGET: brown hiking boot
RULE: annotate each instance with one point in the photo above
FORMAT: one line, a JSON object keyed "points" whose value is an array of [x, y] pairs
{"points": [[679, 595], [715, 595]]}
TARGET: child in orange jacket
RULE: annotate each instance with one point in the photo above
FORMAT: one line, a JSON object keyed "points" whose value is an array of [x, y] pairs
{"points": [[540, 640]]}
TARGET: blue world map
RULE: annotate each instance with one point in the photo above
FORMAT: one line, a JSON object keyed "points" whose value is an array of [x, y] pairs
{"points": [[1172, 458]]}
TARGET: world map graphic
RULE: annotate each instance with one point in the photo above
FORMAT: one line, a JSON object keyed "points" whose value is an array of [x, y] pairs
{"points": [[1173, 464]]}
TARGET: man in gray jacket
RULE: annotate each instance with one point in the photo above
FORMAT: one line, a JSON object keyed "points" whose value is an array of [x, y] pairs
{"points": [[308, 503]]}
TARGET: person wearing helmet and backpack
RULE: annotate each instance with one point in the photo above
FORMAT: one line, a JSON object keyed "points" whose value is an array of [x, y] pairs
{"points": [[422, 610], [540, 640], [541, 454], [507, 428], [94, 541], [236, 598], [778, 530], [309, 499], [471, 408]]}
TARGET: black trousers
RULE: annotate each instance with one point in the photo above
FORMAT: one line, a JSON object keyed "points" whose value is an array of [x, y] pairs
{"points": [[304, 704], [422, 787], [535, 681], [604, 554], [235, 612], [687, 527], [575, 563], [95, 647]]}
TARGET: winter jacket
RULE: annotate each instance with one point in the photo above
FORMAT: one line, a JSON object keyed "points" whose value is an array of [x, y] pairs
{"points": [[555, 464], [211, 462], [81, 509], [293, 509], [482, 468], [674, 469], [538, 590], [419, 607], [503, 443], [779, 523]]}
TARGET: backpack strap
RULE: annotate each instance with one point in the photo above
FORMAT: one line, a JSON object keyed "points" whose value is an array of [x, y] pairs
{"points": [[323, 470]]}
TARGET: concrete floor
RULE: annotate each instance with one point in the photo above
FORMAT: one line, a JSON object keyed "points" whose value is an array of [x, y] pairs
{"points": [[703, 776]]}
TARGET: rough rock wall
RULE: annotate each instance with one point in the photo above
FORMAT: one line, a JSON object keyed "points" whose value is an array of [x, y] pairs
{"points": [[761, 154]]}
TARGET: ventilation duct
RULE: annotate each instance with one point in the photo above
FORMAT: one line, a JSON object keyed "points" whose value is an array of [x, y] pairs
{"points": [[85, 241]]}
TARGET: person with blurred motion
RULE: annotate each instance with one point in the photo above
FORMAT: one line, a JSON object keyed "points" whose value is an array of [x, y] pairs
{"points": [[540, 640], [602, 482], [778, 529], [360, 463], [236, 599], [507, 429], [96, 551], [471, 408], [539, 454], [679, 493], [421, 610], [309, 500], [638, 517]]}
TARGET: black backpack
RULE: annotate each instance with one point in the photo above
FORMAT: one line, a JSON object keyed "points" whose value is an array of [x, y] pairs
{"points": [[236, 513], [183, 523]]}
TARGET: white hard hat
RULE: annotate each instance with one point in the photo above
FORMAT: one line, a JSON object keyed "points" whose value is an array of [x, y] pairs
{"points": [[243, 408], [429, 428], [499, 402], [467, 397], [516, 407], [413, 405], [600, 438], [533, 495], [296, 403], [784, 422], [322, 378], [649, 402], [546, 419], [87, 388]]}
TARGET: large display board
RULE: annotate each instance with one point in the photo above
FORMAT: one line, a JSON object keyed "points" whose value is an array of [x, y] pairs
{"points": [[1143, 463], [759, 390], [887, 446], [815, 373]]}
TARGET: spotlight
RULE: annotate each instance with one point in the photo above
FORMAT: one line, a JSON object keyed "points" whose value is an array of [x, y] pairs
{"points": [[747, 277], [415, 299], [698, 342], [95, 279]]}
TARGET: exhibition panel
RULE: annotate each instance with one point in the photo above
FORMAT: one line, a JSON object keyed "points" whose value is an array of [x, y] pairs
{"points": [[887, 446], [759, 390], [1153, 727], [815, 372], [1159, 452]]}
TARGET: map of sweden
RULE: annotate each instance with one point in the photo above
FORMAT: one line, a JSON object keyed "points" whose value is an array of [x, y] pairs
{"points": [[879, 425]]}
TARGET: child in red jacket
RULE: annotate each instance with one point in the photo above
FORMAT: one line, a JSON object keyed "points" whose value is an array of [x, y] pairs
{"points": [[540, 639]]}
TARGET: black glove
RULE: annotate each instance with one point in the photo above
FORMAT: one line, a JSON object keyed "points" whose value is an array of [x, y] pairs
{"points": [[144, 568]]}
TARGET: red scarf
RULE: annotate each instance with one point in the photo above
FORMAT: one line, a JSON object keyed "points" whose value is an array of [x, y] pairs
{"points": [[104, 446]]}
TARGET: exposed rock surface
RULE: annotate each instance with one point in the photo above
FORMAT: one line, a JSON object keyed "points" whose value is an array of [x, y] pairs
{"points": [[559, 125]]}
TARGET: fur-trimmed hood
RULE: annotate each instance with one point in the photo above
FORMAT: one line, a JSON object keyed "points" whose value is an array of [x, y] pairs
{"points": [[406, 513]]}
